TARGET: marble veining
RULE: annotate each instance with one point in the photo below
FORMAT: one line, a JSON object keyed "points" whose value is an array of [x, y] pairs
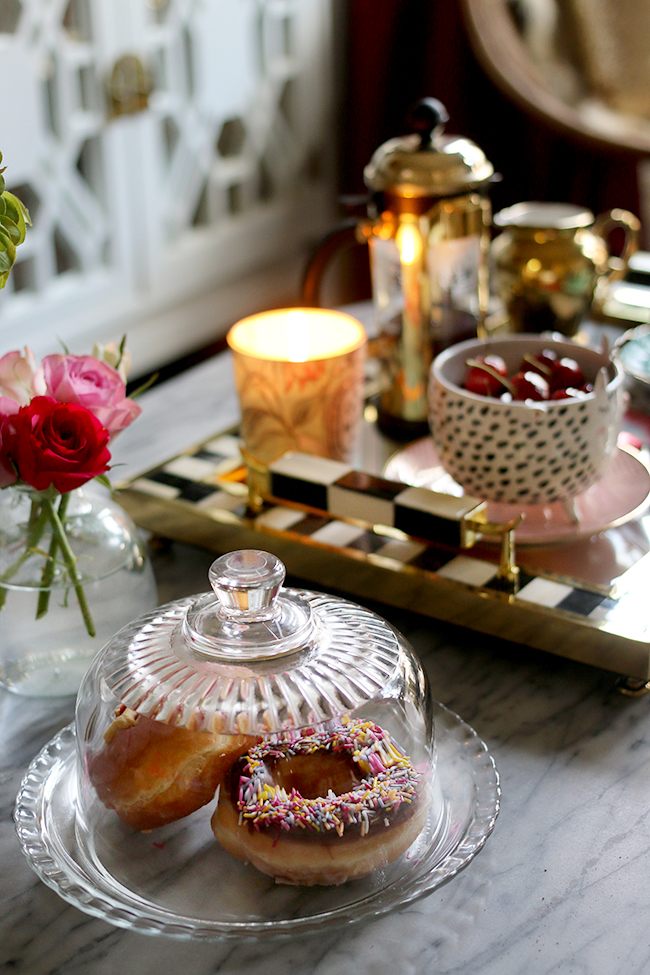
{"points": [[561, 886]]}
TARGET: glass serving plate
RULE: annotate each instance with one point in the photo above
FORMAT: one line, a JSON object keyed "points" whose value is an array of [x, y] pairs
{"points": [[177, 881]]}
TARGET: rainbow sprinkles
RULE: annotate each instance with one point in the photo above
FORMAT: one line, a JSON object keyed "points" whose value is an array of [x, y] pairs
{"points": [[389, 780]]}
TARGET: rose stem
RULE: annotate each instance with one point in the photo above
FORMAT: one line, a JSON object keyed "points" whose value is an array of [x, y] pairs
{"points": [[48, 568], [71, 563], [36, 527]]}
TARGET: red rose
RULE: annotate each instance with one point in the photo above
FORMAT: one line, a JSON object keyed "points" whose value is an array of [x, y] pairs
{"points": [[60, 444]]}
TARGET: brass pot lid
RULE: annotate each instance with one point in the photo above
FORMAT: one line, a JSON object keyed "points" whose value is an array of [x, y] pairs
{"points": [[544, 216], [427, 163]]}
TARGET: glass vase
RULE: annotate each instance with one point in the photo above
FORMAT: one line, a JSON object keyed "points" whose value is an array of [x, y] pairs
{"points": [[45, 644]]}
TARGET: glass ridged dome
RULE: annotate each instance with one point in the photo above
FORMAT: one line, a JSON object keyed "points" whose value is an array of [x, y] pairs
{"points": [[224, 664], [301, 721]]}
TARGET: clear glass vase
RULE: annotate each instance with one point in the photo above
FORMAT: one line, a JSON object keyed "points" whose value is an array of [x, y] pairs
{"points": [[45, 644]]}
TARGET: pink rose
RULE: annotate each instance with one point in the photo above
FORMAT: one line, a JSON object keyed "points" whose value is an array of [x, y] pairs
{"points": [[94, 384], [8, 407], [19, 377]]}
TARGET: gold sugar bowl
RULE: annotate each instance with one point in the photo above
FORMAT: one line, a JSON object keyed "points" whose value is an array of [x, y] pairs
{"points": [[552, 263]]}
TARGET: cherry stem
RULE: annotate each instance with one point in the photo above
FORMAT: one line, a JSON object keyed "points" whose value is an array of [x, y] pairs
{"points": [[505, 382], [538, 364]]}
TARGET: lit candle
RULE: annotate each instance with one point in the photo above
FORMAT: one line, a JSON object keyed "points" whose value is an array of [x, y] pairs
{"points": [[299, 376], [415, 340]]}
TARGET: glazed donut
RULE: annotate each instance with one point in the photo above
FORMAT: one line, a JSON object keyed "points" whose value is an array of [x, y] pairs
{"points": [[324, 807], [151, 773]]}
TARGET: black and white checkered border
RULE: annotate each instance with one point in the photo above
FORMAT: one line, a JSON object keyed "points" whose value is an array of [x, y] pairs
{"points": [[342, 492], [194, 479]]}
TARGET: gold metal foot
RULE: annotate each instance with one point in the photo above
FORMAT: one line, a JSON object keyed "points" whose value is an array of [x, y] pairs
{"points": [[632, 686], [508, 568], [258, 480]]}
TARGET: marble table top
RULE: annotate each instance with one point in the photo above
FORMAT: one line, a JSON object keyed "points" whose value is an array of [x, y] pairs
{"points": [[562, 884]]}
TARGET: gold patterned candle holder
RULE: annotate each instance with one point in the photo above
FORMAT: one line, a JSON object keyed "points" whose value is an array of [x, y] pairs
{"points": [[299, 377]]}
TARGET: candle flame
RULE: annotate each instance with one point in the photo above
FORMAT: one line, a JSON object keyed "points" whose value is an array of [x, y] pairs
{"points": [[297, 343], [296, 334], [409, 243]]}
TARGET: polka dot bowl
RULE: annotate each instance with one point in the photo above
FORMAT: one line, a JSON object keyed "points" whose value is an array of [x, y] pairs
{"points": [[524, 452]]}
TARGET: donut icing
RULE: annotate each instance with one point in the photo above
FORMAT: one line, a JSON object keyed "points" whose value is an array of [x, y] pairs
{"points": [[389, 779]]}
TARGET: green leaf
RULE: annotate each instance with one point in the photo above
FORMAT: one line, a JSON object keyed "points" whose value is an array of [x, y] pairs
{"points": [[22, 213], [12, 230], [5, 241], [15, 212], [7, 251], [11, 206], [105, 481], [2, 183], [121, 351], [4, 277]]}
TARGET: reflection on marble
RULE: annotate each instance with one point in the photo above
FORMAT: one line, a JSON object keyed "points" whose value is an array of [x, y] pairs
{"points": [[561, 886]]}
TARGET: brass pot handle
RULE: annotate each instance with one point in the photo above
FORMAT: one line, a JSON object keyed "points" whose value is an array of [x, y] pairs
{"points": [[349, 233], [631, 225]]}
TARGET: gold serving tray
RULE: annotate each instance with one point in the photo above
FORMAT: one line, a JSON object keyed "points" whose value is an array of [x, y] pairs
{"points": [[585, 599]]}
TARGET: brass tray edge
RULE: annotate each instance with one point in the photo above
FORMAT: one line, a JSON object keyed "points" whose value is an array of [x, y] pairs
{"points": [[490, 612]]}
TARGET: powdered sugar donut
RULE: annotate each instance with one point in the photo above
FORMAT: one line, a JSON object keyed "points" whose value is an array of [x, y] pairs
{"points": [[152, 773]]}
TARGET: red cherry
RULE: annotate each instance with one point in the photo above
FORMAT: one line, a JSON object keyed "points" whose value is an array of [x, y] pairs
{"points": [[566, 373], [485, 374], [548, 357], [530, 385], [568, 393]]}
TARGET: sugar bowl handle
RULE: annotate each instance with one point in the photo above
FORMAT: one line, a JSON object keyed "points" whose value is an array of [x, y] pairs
{"points": [[631, 226]]}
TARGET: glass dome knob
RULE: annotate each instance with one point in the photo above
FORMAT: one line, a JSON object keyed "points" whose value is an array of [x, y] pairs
{"points": [[247, 583]]}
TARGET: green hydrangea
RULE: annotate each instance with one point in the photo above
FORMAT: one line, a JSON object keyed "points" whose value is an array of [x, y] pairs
{"points": [[14, 216]]}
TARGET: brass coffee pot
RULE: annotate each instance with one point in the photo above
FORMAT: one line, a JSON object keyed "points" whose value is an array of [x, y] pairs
{"points": [[428, 233], [552, 263]]}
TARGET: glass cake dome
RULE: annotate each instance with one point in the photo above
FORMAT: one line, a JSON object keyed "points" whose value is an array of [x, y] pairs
{"points": [[254, 763], [259, 732]]}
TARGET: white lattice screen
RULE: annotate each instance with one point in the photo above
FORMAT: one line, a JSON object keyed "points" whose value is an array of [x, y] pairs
{"points": [[161, 223]]}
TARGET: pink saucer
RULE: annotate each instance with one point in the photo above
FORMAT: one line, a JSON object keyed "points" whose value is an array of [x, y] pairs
{"points": [[621, 495]]}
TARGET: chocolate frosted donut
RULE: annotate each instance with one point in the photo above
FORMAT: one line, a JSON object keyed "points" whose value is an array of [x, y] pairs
{"points": [[324, 807]]}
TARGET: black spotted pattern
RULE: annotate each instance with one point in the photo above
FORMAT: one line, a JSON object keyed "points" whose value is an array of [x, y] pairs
{"points": [[515, 454]]}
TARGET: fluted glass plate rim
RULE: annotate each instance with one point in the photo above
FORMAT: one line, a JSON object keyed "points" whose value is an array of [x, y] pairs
{"points": [[64, 871]]}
